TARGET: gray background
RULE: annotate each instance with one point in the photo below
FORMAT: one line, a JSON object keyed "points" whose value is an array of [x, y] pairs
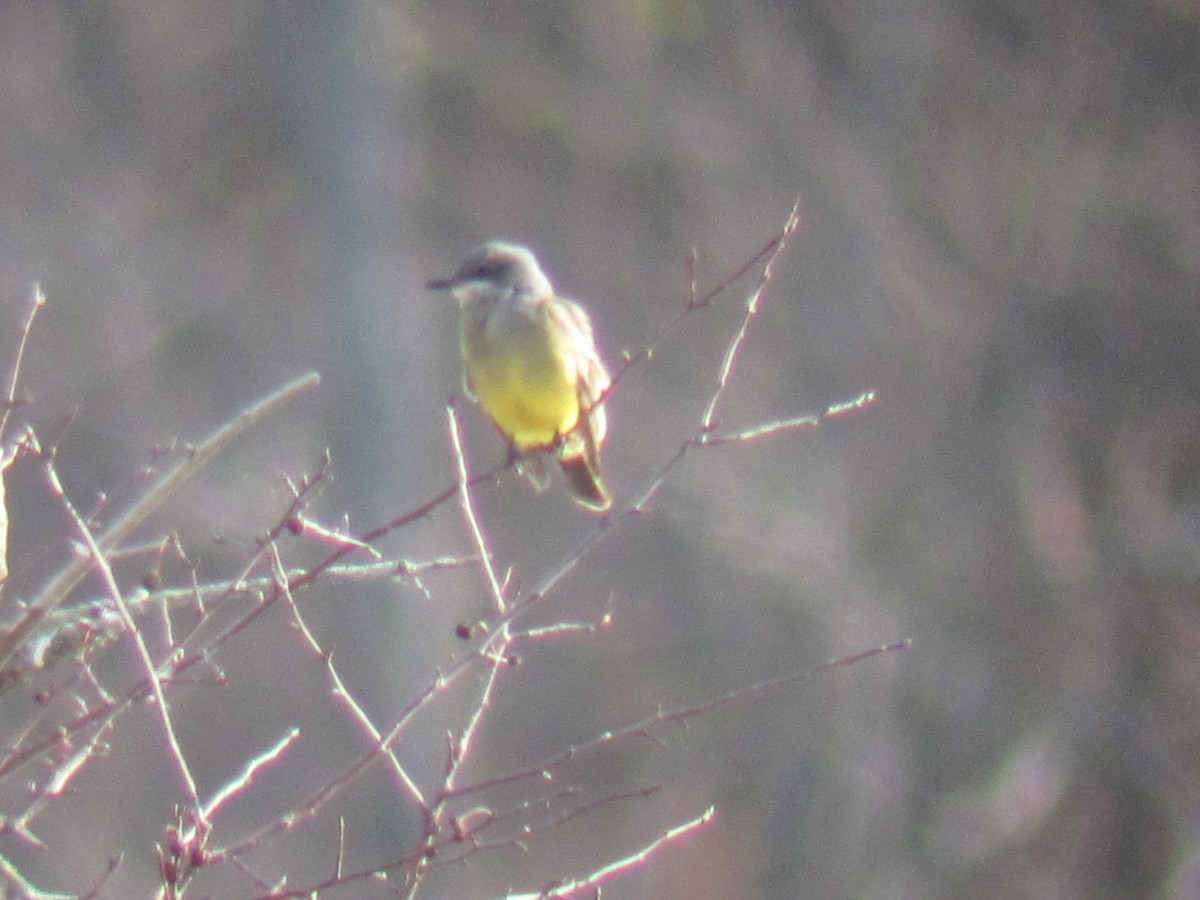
{"points": [[1001, 204]]}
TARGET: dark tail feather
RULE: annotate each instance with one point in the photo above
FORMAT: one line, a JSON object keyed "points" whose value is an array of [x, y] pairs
{"points": [[584, 483]]}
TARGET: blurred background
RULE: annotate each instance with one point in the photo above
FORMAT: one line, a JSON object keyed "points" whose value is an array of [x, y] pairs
{"points": [[1001, 236]]}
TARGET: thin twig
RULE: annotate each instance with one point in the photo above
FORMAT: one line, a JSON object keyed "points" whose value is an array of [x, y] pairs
{"points": [[644, 727], [593, 880], [735, 346], [100, 561], [779, 426], [39, 300], [467, 503], [62, 584], [243, 780]]}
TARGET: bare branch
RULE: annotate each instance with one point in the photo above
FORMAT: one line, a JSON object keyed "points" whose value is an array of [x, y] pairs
{"points": [[100, 561], [61, 585], [739, 338], [467, 504], [645, 727], [39, 300], [593, 880]]}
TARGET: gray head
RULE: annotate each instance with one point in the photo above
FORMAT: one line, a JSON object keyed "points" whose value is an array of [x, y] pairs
{"points": [[496, 266]]}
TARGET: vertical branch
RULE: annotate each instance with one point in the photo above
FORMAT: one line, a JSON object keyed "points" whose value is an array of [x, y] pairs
{"points": [[8, 452], [468, 507], [39, 300], [100, 561], [735, 346]]}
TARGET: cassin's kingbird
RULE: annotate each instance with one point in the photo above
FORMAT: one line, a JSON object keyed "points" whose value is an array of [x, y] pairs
{"points": [[530, 359]]}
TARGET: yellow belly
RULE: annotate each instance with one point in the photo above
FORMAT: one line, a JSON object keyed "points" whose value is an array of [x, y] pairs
{"points": [[525, 384]]}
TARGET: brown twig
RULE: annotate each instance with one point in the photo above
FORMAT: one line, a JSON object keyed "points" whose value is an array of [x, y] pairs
{"points": [[59, 587]]}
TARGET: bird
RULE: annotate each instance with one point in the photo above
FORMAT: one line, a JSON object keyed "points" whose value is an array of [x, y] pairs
{"points": [[530, 360]]}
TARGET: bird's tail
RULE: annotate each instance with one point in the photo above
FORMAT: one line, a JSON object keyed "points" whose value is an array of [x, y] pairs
{"points": [[584, 483]]}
